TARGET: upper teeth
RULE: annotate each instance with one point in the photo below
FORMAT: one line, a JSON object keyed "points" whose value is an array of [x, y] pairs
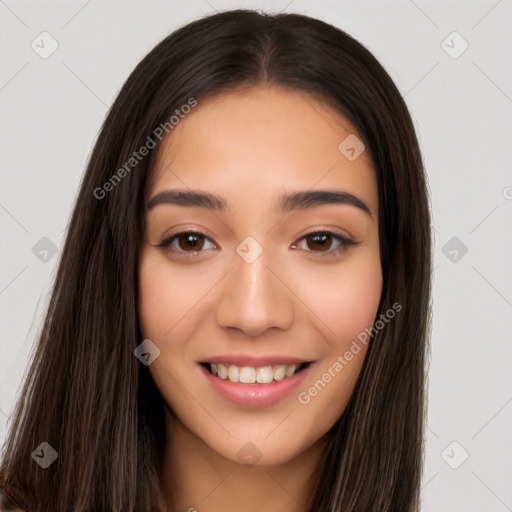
{"points": [[251, 375]]}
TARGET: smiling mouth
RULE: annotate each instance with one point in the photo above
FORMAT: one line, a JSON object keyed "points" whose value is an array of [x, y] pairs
{"points": [[254, 375]]}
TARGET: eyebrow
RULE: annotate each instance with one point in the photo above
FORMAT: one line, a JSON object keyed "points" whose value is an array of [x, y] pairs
{"points": [[286, 203]]}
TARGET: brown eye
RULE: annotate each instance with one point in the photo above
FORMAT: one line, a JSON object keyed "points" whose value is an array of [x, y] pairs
{"points": [[192, 241], [319, 241], [189, 243], [325, 242]]}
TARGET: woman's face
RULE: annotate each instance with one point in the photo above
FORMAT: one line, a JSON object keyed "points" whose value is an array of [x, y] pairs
{"points": [[266, 290]]}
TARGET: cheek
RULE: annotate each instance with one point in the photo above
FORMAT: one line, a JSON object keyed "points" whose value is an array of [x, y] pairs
{"points": [[153, 298], [355, 301], [165, 297], [164, 313], [163, 304], [344, 298]]}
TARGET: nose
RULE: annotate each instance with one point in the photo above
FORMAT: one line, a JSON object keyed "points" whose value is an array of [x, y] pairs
{"points": [[255, 298]]}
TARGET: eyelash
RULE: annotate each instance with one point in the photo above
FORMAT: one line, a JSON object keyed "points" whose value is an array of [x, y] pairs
{"points": [[345, 243]]}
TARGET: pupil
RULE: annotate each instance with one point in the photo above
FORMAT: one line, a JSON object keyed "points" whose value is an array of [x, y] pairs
{"points": [[191, 241], [320, 240]]}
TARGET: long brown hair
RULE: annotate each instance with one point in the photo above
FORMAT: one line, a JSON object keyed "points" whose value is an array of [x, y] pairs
{"points": [[95, 404]]}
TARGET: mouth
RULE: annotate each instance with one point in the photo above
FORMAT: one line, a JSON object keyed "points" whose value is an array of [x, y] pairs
{"points": [[254, 375], [255, 380]]}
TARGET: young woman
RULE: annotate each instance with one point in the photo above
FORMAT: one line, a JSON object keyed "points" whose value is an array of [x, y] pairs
{"points": [[241, 311]]}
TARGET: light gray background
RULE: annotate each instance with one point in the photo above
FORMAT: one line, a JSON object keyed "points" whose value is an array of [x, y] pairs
{"points": [[52, 109]]}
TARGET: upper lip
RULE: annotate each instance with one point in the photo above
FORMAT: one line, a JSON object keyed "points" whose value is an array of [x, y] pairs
{"points": [[255, 361]]}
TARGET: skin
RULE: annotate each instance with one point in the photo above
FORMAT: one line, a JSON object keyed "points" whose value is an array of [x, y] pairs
{"points": [[297, 298]]}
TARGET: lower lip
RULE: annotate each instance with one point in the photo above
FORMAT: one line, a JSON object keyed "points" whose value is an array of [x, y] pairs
{"points": [[255, 395]]}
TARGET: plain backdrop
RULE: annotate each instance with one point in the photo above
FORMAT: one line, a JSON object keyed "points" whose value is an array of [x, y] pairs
{"points": [[452, 63]]}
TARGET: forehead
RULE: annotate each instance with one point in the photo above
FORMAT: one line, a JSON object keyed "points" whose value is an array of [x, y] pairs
{"points": [[263, 141]]}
